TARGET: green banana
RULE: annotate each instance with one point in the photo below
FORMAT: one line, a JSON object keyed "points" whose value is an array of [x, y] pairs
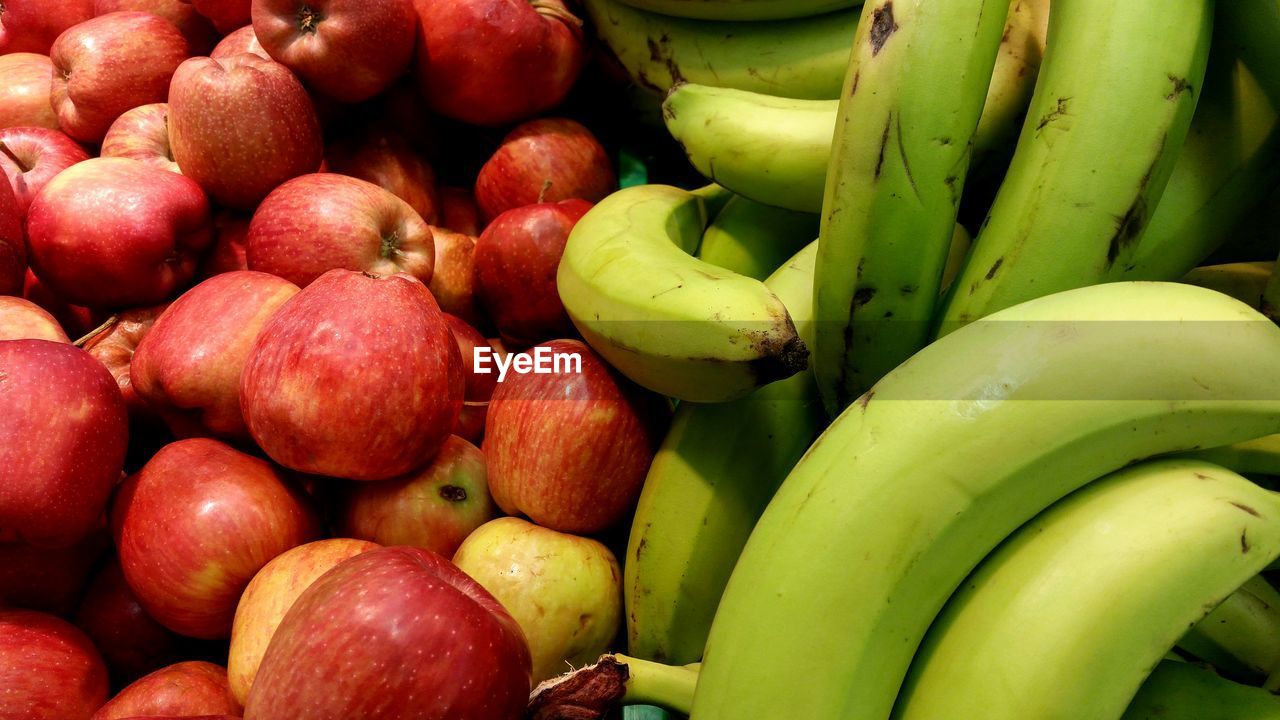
{"points": [[754, 239], [775, 149], [1181, 691], [1259, 456], [710, 480], [740, 10], [898, 162], [801, 58], [660, 316], [1068, 616], [1227, 167], [767, 148], [915, 483], [1111, 109], [1243, 281], [1241, 637]]}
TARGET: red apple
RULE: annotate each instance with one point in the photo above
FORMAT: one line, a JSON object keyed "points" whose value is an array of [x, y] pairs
{"points": [[194, 27], [131, 641], [240, 126], [582, 481], [479, 386], [188, 366], [270, 595], [240, 41], [230, 231], [187, 689], [22, 319], [434, 508], [226, 15], [13, 248], [493, 62], [515, 264], [48, 669], [349, 50], [356, 377], [544, 160], [384, 158], [30, 157], [48, 579], [459, 212], [195, 525], [96, 257], [142, 134], [110, 64], [24, 96], [453, 279], [114, 344], [33, 25], [564, 590], [75, 319], [316, 223], [389, 634], [63, 431]]}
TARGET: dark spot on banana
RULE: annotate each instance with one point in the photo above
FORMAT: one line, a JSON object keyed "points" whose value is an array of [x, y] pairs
{"points": [[1246, 508], [1057, 112], [655, 50], [1202, 476], [863, 296], [857, 75], [882, 27], [908, 289], [884, 142], [1129, 227], [995, 267], [906, 164], [1244, 542], [642, 545], [1180, 86], [861, 263], [866, 399]]}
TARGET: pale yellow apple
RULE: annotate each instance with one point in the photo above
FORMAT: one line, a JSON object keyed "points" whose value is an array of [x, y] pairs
{"points": [[565, 591], [270, 595]]}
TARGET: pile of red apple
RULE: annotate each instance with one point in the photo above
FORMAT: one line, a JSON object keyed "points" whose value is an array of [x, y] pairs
{"points": [[248, 464]]}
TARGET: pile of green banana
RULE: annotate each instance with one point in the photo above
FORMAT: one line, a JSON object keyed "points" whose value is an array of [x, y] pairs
{"points": [[992, 446]]}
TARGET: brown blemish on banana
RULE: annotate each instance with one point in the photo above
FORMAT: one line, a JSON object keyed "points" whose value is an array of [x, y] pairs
{"points": [[1134, 221], [862, 297], [1054, 114], [1244, 542], [1246, 508], [1180, 86], [995, 267], [882, 27], [884, 142], [866, 399]]}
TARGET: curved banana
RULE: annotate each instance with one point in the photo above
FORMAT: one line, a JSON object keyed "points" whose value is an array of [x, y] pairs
{"points": [[898, 163], [1227, 167], [915, 483], [801, 58], [710, 480], [775, 149], [1068, 616], [1241, 637], [660, 316], [754, 239], [740, 10], [1243, 281], [1112, 105], [1181, 691]]}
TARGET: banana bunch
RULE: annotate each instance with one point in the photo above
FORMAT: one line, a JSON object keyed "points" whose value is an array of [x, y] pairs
{"points": [[754, 239], [1068, 616], [712, 477], [916, 482], [672, 323], [773, 148]]}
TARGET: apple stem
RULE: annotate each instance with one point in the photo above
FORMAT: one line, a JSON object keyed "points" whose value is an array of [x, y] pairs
{"points": [[97, 331], [556, 10], [542, 194], [9, 153]]}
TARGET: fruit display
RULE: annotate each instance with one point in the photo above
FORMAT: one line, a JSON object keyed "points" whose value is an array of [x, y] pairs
{"points": [[639, 359]]}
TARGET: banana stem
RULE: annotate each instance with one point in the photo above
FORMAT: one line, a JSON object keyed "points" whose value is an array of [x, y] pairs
{"points": [[595, 691]]}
